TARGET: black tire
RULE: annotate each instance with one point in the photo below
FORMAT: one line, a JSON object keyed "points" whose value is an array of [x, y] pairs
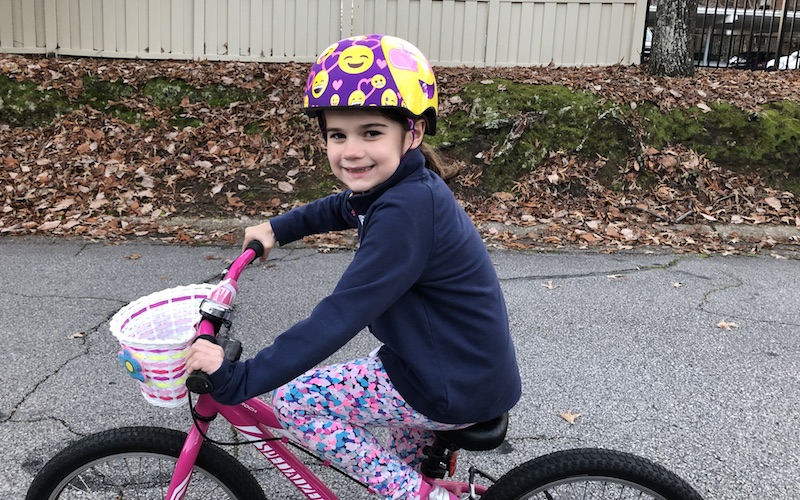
{"points": [[595, 474], [137, 462]]}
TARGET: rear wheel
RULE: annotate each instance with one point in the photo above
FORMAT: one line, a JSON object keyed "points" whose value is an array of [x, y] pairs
{"points": [[590, 473], [137, 462]]}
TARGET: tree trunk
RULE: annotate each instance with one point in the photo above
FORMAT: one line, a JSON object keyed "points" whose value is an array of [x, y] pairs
{"points": [[672, 53]]}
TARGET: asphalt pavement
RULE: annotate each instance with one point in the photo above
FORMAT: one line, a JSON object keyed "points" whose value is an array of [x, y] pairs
{"points": [[634, 343]]}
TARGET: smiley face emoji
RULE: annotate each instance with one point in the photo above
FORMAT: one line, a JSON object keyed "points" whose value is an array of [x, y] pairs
{"points": [[378, 81], [357, 98], [356, 59], [326, 53], [335, 100], [389, 98], [319, 84]]}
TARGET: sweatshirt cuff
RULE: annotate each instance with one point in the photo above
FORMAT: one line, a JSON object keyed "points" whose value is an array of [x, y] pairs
{"points": [[220, 380], [282, 228]]}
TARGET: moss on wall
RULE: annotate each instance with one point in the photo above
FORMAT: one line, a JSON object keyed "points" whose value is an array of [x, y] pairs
{"points": [[521, 124], [23, 103], [514, 126], [767, 141]]}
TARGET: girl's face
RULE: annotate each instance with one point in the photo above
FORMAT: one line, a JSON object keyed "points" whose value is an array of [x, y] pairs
{"points": [[365, 147]]}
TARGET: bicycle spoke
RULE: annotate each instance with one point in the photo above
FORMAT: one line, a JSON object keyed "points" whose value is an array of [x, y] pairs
{"points": [[593, 489], [139, 478]]}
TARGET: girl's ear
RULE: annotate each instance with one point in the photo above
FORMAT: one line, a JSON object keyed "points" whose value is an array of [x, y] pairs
{"points": [[419, 132]]}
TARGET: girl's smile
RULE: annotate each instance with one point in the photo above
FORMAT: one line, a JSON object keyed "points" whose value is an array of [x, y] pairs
{"points": [[365, 146]]}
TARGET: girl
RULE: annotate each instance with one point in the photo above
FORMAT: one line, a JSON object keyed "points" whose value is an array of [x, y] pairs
{"points": [[421, 280]]}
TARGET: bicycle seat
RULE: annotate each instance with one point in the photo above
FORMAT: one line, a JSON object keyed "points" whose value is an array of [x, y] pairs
{"points": [[482, 436]]}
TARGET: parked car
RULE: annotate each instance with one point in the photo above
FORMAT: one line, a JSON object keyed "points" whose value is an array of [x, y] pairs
{"points": [[792, 61], [749, 60], [648, 43]]}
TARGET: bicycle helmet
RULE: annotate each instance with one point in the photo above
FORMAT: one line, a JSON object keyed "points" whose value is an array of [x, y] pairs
{"points": [[373, 70]]}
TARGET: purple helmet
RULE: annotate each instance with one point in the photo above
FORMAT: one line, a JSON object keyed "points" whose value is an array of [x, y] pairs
{"points": [[373, 70]]}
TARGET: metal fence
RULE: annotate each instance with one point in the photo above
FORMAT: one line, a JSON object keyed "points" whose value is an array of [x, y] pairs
{"points": [[450, 32], [747, 34]]}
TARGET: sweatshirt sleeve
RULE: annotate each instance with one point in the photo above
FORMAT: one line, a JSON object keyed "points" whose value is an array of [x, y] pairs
{"points": [[393, 253], [325, 214]]}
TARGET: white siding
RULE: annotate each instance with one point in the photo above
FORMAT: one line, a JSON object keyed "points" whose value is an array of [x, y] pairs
{"points": [[449, 32]]}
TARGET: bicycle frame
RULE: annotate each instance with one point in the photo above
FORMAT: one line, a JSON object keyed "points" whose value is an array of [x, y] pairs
{"points": [[255, 420]]}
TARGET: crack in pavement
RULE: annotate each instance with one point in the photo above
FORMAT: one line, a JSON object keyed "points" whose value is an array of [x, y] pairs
{"points": [[10, 416], [620, 272], [64, 364], [705, 303]]}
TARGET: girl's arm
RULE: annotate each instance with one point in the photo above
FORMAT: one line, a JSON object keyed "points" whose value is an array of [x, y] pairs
{"points": [[325, 214], [382, 270]]}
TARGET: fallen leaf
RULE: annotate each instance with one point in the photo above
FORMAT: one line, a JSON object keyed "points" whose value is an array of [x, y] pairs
{"points": [[63, 205], [677, 284], [708, 217], [726, 326], [591, 237], [133, 256], [47, 226], [77, 335], [569, 416], [550, 286], [285, 187], [773, 202]]}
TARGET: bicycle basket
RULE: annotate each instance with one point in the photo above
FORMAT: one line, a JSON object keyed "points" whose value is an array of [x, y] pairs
{"points": [[155, 332]]}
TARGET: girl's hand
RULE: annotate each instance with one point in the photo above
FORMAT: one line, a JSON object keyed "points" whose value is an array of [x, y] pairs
{"points": [[204, 356], [262, 233]]}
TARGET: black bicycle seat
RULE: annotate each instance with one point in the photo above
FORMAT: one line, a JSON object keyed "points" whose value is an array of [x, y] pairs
{"points": [[482, 436]]}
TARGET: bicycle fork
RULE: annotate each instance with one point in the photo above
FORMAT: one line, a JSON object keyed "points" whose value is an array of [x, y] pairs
{"points": [[183, 468]]}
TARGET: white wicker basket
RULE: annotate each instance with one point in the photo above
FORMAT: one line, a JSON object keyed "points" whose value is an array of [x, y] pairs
{"points": [[155, 333]]}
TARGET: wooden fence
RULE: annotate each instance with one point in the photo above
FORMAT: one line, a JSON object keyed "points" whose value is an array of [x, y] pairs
{"points": [[450, 32]]}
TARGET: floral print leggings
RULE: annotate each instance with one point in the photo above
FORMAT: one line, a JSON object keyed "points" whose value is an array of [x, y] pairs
{"points": [[329, 409]]}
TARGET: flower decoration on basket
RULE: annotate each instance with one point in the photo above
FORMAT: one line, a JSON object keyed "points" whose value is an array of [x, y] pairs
{"points": [[130, 363]]}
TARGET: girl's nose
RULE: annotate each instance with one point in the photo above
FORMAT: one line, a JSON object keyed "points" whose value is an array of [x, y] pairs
{"points": [[352, 149]]}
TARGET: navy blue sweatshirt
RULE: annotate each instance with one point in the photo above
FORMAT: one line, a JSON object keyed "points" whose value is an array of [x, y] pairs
{"points": [[422, 281]]}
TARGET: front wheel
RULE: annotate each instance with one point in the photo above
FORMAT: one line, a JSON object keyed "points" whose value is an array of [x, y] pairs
{"points": [[137, 462], [592, 474]]}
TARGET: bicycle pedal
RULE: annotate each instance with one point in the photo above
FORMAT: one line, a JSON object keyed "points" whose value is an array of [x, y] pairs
{"points": [[451, 466]]}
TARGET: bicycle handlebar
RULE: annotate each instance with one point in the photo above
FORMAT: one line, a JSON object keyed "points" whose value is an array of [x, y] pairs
{"points": [[200, 382], [257, 247]]}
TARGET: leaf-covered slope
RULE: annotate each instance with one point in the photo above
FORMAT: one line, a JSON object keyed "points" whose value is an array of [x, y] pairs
{"points": [[112, 148]]}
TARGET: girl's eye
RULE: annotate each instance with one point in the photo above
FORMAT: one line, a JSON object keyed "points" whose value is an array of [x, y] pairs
{"points": [[336, 136], [372, 133]]}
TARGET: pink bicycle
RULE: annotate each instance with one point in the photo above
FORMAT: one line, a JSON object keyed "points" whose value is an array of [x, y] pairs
{"points": [[159, 463]]}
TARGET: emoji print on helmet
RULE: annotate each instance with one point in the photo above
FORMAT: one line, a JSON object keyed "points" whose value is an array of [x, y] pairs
{"points": [[319, 84], [356, 59], [389, 98], [373, 70]]}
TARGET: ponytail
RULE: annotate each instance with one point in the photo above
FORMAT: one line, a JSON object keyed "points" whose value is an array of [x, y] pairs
{"points": [[435, 162]]}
